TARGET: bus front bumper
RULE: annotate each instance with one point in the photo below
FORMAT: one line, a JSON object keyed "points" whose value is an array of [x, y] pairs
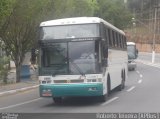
{"points": [[65, 90]]}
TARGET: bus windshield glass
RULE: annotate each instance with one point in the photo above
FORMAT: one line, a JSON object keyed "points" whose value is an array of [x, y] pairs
{"points": [[54, 58], [69, 31], [70, 58], [82, 54], [131, 51]]}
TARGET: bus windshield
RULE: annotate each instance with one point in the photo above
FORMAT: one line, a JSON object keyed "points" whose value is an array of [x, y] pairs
{"points": [[131, 51], [83, 55], [69, 31], [53, 58], [70, 58]]}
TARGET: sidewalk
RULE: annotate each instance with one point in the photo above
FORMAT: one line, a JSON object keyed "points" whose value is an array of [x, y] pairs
{"points": [[148, 63], [24, 85], [146, 58]]}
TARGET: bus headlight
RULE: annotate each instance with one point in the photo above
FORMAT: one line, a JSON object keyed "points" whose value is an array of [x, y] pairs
{"points": [[91, 80], [99, 80], [46, 80], [94, 80]]}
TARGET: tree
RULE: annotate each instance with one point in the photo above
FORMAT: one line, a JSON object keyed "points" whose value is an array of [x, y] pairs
{"points": [[5, 9], [21, 18], [114, 11], [19, 31], [70, 8]]}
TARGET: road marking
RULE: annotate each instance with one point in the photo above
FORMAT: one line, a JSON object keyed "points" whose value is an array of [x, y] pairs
{"points": [[19, 104], [130, 89], [109, 101], [140, 81], [17, 90], [141, 75]]}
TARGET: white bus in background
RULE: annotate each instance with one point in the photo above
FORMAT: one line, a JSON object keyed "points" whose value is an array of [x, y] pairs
{"points": [[132, 55], [84, 56]]}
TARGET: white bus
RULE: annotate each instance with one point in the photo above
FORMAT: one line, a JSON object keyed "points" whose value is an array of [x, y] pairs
{"points": [[132, 55], [83, 56]]}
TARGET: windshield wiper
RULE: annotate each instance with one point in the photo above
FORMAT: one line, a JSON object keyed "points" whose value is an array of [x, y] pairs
{"points": [[76, 66]]}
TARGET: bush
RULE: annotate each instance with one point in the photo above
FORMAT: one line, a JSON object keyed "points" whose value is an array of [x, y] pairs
{"points": [[4, 67]]}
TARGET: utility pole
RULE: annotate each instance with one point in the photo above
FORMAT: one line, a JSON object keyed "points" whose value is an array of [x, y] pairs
{"points": [[154, 36], [125, 3]]}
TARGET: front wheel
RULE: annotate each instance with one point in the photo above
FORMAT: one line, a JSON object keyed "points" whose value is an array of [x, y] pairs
{"points": [[57, 100], [103, 98]]}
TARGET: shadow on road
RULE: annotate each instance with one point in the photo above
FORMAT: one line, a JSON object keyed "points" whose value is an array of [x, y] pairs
{"points": [[82, 101]]}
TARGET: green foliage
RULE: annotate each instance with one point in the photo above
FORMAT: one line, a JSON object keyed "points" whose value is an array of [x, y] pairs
{"points": [[20, 19], [114, 11], [70, 8], [5, 9], [4, 63]]}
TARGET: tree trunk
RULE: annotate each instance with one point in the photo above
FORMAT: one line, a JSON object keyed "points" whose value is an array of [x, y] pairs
{"points": [[18, 72]]}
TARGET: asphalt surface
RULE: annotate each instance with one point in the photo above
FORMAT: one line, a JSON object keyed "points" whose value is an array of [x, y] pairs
{"points": [[141, 94]]}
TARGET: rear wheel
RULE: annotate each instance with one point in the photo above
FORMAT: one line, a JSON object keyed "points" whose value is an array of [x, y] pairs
{"points": [[57, 100]]}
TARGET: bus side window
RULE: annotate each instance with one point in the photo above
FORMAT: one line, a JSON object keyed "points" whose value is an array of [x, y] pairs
{"points": [[121, 43], [107, 38], [103, 31], [110, 38], [117, 40], [125, 43], [114, 43]]}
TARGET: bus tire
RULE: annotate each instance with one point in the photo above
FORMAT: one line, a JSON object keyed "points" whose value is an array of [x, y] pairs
{"points": [[108, 85], [124, 79], [57, 100], [103, 98], [122, 85]]}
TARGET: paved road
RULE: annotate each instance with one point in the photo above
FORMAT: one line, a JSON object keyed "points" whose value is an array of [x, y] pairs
{"points": [[141, 94]]}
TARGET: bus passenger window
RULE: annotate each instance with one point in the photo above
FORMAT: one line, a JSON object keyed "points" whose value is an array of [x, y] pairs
{"points": [[114, 43], [109, 38]]}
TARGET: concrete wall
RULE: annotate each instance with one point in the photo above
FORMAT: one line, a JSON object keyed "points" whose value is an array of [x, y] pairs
{"points": [[147, 47]]}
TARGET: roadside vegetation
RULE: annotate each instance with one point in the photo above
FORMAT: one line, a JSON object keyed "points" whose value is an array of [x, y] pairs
{"points": [[145, 21], [20, 19], [4, 68]]}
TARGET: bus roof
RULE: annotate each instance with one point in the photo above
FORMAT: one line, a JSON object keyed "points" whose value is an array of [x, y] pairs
{"points": [[131, 43], [79, 20]]}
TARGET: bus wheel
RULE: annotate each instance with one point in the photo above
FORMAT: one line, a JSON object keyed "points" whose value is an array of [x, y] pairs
{"points": [[57, 100], [124, 79], [122, 85], [103, 98]]}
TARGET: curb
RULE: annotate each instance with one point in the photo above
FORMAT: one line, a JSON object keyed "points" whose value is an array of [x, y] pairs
{"points": [[17, 90]]}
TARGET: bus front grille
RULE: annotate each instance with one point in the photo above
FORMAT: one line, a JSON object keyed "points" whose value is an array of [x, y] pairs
{"points": [[69, 81]]}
